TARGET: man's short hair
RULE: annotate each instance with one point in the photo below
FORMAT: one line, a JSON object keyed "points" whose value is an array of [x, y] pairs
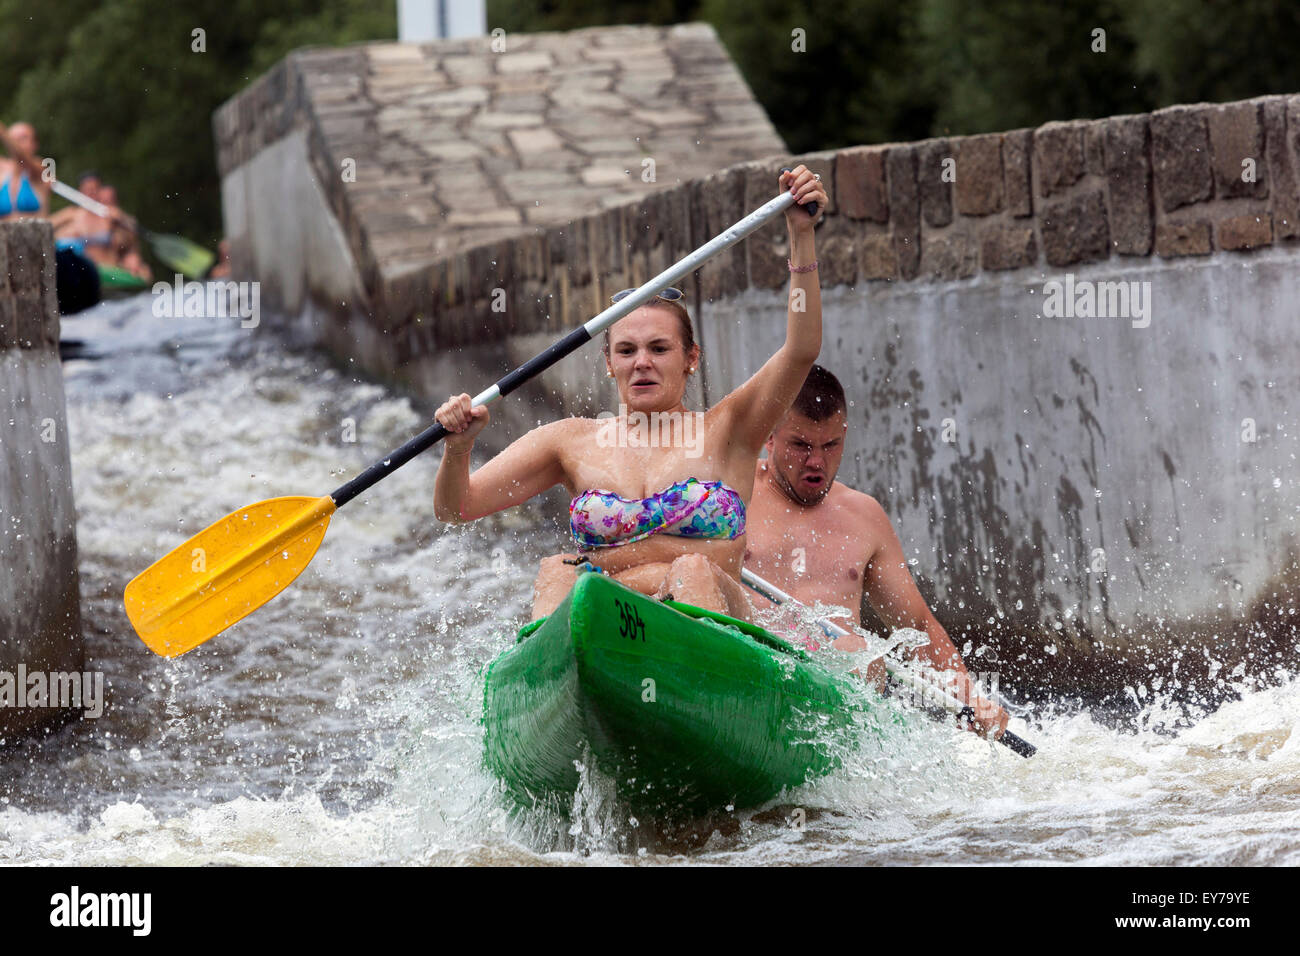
{"points": [[89, 174], [821, 397]]}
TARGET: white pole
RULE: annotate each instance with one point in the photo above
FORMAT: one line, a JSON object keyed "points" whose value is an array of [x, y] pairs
{"points": [[419, 21], [465, 18]]}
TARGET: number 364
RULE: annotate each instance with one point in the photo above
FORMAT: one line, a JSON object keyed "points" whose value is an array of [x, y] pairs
{"points": [[630, 624]]}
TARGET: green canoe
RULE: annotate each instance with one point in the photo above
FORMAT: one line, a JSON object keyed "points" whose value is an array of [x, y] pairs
{"points": [[687, 710], [115, 279]]}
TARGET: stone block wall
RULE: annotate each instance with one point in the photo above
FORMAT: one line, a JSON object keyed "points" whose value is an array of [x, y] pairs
{"points": [[1184, 181], [1167, 184]]}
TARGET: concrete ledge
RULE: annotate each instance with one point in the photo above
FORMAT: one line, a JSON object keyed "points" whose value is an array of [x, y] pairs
{"points": [[40, 612], [29, 311]]}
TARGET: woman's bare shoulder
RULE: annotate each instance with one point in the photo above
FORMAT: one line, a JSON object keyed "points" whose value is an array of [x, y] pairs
{"points": [[563, 432]]}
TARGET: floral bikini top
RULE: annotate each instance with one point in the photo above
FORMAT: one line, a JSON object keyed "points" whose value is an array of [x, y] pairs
{"points": [[688, 509]]}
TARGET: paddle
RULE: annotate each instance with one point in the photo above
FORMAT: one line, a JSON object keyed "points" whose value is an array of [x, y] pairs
{"points": [[175, 252], [227, 571], [896, 670]]}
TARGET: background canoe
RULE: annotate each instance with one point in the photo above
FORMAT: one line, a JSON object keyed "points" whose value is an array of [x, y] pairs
{"points": [[116, 279]]}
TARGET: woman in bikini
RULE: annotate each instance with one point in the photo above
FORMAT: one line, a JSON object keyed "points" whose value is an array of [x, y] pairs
{"points": [[23, 193], [661, 520]]}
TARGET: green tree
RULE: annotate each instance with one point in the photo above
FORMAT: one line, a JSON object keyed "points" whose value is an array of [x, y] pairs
{"points": [[115, 84], [1216, 50], [1006, 64], [857, 80], [32, 36], [124, 91], [537, 16]]}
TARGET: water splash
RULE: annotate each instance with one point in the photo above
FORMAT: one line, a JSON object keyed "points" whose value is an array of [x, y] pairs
{"points": [[341, 724]]}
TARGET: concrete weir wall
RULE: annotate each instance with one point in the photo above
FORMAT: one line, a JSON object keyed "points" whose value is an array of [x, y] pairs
{"points": [[1073, 363], [1071, 354], [1076, 480], [40, 613]]}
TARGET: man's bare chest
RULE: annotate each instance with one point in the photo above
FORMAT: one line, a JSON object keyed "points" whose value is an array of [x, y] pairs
{"points": [[820, 554]]}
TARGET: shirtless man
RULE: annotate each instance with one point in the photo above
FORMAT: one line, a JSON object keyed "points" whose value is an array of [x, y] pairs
{"points": [[74, 224], [124, 246], [105, 241], [822, 542]]}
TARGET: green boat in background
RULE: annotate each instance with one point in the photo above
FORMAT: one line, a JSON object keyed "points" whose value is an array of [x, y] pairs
{"points": [[114, 280], [687, 710]]}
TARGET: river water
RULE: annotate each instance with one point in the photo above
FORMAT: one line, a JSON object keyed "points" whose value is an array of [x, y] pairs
{"points": [[340, 723]]}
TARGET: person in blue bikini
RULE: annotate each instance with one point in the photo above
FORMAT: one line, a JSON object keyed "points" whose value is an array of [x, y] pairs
{"points": [[23, 193], [659, 518]]}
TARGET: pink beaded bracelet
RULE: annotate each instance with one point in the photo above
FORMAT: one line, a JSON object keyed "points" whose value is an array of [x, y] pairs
{"points": [[808, 268]]}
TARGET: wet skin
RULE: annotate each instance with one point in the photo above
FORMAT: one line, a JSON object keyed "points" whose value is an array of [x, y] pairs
{"points": [[650, 363], [822, 542]]}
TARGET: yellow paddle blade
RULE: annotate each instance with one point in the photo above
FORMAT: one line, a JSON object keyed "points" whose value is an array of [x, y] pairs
{"points": [[225, 572]]}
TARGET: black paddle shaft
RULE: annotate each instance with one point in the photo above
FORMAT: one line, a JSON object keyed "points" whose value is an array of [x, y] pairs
{"points": [[1019, 744], [436, 432], [1008, 739]]}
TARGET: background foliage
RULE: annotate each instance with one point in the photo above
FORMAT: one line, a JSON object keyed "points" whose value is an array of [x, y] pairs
{"points": [[113, 84]]}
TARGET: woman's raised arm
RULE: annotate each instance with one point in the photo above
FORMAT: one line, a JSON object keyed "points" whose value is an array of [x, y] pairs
{"points": [[755, 408]]}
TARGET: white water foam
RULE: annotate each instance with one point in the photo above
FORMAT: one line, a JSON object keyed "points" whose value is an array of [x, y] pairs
{"points": [[340, 724]]}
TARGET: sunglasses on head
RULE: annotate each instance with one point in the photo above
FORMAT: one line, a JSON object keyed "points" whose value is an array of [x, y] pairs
{"points": [[670, 294]]}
